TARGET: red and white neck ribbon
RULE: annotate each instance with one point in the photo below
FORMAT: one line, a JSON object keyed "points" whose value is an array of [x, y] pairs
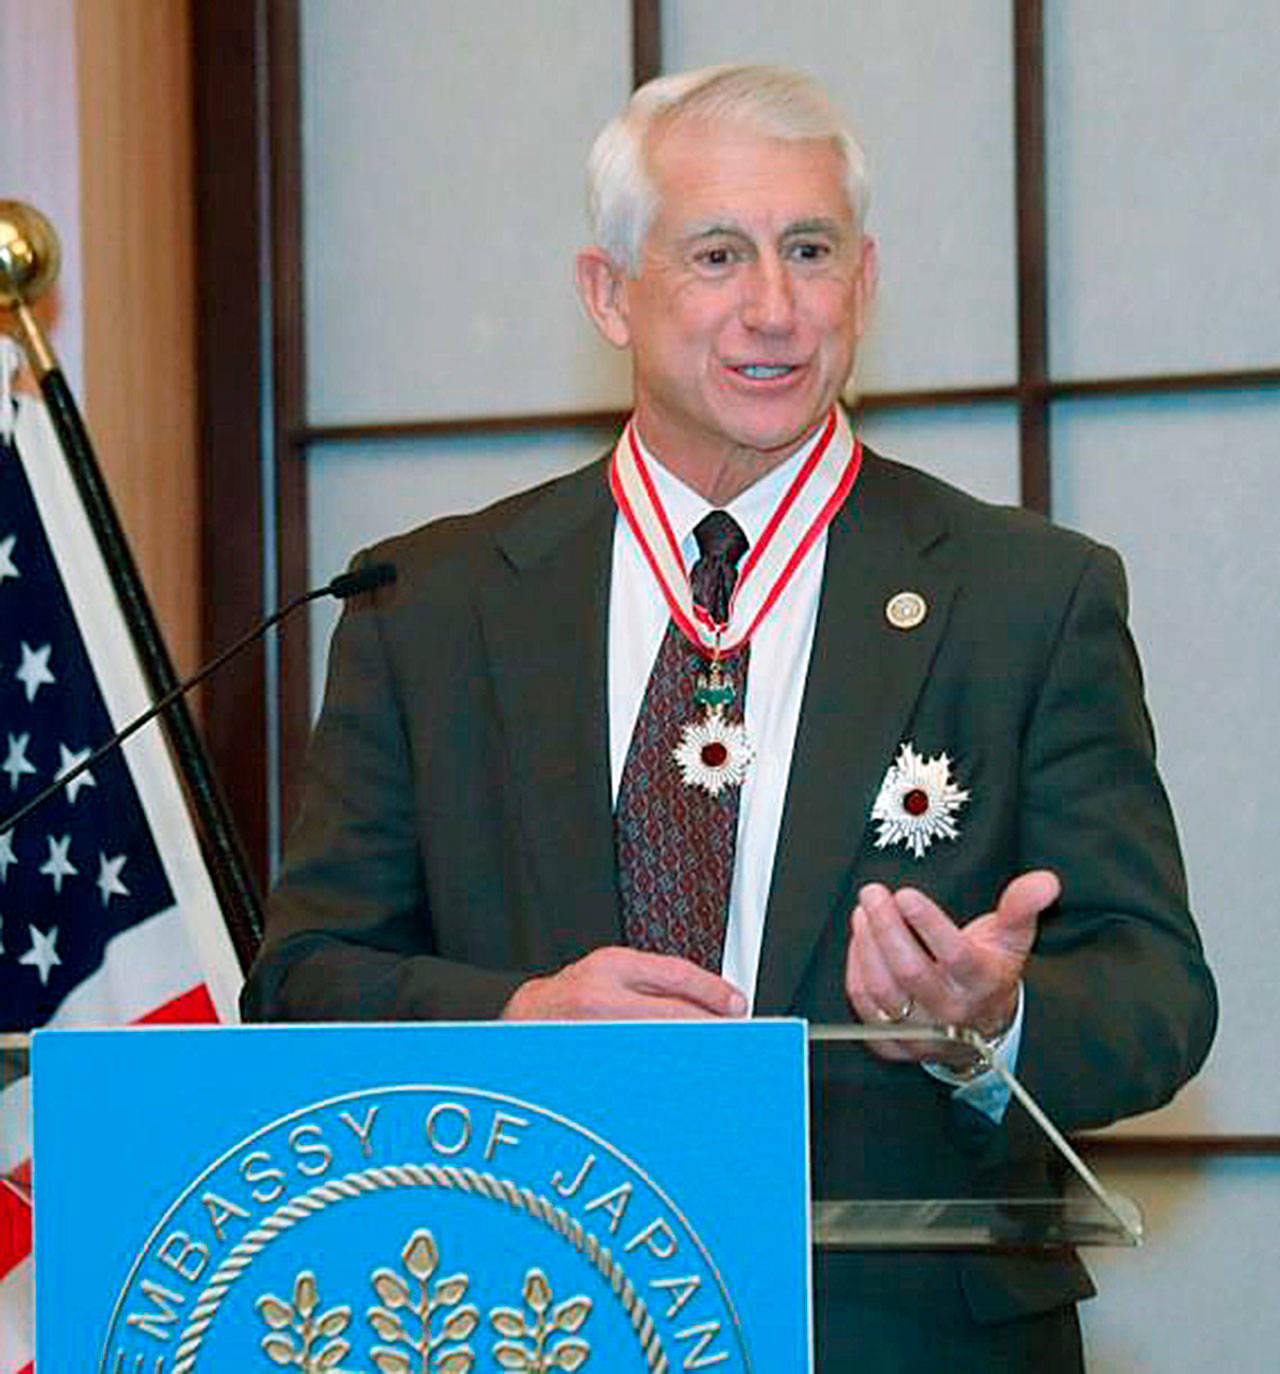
{"points": [[818, 490]]}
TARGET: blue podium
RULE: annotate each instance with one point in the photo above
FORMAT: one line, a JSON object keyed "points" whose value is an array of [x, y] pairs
{"points": [[425, 1199]]}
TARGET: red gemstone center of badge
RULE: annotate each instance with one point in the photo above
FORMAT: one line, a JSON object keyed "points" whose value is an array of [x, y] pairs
{"points": [[916, 802], [714, 755]]}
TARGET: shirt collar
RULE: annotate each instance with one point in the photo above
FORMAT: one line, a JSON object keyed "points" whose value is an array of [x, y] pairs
{"points": [[750, 508]]}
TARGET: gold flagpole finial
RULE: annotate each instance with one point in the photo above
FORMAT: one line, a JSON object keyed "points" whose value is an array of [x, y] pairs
{"points": [[29, 262], [29, 253]]}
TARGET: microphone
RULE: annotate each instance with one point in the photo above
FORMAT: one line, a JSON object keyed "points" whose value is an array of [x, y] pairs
{"points": [[344, 586]]}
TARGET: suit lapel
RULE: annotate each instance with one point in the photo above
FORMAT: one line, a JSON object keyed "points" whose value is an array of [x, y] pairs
{"points": [[863, 681], [551, 608], [544, 623]]}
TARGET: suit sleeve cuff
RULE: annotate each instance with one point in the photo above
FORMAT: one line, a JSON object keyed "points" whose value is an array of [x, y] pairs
{"points": [[987, 1092]]}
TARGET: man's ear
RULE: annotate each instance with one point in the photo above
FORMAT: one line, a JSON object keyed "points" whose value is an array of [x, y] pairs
{"points": [[602, 290], [868, 277]]}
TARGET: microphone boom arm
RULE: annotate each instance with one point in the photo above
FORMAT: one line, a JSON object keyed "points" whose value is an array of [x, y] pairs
{"points": [[343, 586]]}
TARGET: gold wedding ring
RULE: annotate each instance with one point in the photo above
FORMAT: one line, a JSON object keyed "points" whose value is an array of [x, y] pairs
{"points": [[891, 1018]]}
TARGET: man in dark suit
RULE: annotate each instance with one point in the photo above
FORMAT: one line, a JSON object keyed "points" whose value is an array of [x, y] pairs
{"points": [[542, 786]]}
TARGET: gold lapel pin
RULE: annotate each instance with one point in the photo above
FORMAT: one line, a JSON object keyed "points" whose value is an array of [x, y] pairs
{"points": [[905, 610]]}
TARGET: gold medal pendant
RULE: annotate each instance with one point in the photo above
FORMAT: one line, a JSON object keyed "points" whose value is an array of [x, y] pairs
{"points": [[714, 753]]}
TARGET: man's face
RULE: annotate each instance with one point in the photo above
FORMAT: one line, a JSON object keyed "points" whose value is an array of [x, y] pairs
{"points": [[750, 299]]}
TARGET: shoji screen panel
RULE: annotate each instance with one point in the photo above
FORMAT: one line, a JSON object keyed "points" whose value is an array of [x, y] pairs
{"points": [[929, 88], [443, 156], [1164, 186], [443, 152], [1185, 486]]}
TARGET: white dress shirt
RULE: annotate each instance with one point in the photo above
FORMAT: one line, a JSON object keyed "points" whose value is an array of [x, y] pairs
{"points": [[780, 649], [638, 617]]}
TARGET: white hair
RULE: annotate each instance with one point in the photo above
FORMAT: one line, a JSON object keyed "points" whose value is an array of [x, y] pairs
{"points": [[774, 101]]}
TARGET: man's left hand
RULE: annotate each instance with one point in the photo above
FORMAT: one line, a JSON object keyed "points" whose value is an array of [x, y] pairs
{"points": [[909, 961]]}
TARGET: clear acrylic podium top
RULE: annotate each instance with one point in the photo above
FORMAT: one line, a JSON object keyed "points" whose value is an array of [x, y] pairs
{"points": [[1086, 1214]]}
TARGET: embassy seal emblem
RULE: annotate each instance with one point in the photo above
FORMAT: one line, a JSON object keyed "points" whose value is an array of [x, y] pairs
{"points": [[423, 1229]]}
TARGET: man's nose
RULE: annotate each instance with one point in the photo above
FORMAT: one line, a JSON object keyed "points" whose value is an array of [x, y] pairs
{"points": [[768, 301]]}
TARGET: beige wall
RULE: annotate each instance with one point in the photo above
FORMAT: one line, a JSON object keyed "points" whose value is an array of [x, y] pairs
{"points": [[100, 91]]}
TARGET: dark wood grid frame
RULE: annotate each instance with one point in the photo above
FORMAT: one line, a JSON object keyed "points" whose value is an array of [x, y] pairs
{"points": [[252, 364], [251, 369]]}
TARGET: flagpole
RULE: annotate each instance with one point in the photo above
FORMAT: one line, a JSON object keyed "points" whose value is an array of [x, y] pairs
{"points": [[29, 260]]}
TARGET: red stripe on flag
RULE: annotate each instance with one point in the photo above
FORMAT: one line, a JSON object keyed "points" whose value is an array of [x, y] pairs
{"points": [[15, 1227], [191, 1007]]}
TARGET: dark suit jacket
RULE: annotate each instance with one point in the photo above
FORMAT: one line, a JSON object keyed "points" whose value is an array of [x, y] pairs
{"points": [[455, 834]]}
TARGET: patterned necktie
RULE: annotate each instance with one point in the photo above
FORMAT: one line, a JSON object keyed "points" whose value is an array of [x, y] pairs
{"points": [[675, 842]]}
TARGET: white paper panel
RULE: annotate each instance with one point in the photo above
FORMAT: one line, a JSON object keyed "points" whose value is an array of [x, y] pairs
{"points": [[929, 88], [1200, 1295], [1186, 489], [975, 448], [1164, 185], [360, 493], [444, 148]]}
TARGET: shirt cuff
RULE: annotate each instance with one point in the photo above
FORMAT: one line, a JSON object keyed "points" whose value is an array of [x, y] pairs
{"points": [[987, 1092]]}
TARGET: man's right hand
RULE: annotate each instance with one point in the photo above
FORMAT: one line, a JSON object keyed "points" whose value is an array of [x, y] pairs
{"points": [[618, 984]]}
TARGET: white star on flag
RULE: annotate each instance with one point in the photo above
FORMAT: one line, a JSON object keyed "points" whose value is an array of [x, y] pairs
{"points": [[34, 672], [43, 953], [109, 883], [70, 761], [7, 856], [58, 865], [7, 568], [16, 764]]}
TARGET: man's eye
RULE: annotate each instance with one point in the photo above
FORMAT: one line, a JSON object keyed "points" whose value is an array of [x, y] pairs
{"points": [[715, 257], [810, 251]]}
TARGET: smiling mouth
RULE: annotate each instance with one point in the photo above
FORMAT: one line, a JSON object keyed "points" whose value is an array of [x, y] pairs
{"points": [[765, 372]]}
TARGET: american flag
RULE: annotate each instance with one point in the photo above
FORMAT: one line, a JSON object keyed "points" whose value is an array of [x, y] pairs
{"points": [[107, 914]]}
